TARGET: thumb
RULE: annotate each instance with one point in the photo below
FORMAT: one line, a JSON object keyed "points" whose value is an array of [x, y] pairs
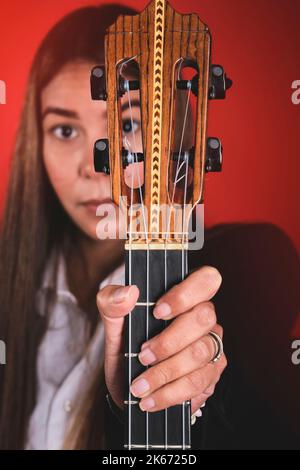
{"points": [[114, 303]]}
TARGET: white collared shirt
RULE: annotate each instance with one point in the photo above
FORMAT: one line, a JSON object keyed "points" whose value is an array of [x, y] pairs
{"points": [[65, 367]]}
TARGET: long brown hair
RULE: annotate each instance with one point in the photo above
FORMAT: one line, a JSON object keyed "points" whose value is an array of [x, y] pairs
{"points": [[34, 223]]}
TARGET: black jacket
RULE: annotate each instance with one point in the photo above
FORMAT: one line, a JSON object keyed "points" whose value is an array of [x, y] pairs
{"points": [[255, 404]]}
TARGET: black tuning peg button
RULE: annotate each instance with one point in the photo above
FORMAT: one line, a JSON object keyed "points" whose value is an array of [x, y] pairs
{"points": [[126, 85], [101, 156], [219, 83], [131, 157], [189, 84], [214, 150], [98, 83]]}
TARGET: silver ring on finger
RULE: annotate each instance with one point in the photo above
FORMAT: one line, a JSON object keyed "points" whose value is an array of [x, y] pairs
{"points": [[218, 344]]}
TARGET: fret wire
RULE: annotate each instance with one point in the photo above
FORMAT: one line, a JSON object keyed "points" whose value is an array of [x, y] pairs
{"points": [[145, 304], [157, 446], [157, 233]]}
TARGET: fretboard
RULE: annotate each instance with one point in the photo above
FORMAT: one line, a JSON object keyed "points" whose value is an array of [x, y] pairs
{"points": [[154, 272]]}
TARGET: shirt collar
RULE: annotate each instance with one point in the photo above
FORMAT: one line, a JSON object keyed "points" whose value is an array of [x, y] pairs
{"points": [[62, 290]]}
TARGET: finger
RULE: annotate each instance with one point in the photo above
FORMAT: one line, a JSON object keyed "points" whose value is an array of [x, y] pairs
{"points": [[183, 389], [198, 287], [182, 332], [199, 402], [193, 358]]}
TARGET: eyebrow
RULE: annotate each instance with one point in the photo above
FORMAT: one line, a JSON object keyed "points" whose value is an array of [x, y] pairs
{"points": [[133, 103], [60, 112], [72, 114]]}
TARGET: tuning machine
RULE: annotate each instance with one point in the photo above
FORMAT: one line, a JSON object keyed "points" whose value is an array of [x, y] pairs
{"points": [[98, 83], [219, 83], [214, 155], [213, 161], [101, 156]]}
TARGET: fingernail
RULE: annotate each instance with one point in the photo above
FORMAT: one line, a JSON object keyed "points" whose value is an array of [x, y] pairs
{"points": [[198, 413], [146, 404], [139, 387], [147, 357], [162, 310], [121, 294]]}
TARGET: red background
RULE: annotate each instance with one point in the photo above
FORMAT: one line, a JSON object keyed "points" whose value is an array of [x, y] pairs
{"points": [[258, 42]]}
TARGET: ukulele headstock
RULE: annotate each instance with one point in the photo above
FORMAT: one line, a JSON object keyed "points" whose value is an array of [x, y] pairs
{"points": [[157, 73]]}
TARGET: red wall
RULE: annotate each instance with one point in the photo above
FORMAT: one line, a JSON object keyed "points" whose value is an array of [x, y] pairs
{"points": [[259, 44]]}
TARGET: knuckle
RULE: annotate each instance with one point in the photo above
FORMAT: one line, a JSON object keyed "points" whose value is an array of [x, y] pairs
{"points": [[181, 295], [200, 351], [161, 375], [223, 363], [209, 391], [165, 346], [220, 330], [194, 383], [207, 314], [167, 397]]}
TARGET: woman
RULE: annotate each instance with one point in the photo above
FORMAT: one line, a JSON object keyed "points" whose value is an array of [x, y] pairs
{"points": [[52, 263]]}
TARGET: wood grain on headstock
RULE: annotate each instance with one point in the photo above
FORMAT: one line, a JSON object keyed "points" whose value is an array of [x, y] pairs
{"points": [[158, 38]]}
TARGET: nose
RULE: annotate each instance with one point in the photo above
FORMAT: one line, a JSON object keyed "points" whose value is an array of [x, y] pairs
{"points": [[86, 170], [86, 165], [87, 173]]}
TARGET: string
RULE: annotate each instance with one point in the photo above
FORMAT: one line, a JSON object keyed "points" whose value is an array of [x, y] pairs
{"points": [[127, 144], [130, 323], [183, 273], [178, 167], [176, 180]]}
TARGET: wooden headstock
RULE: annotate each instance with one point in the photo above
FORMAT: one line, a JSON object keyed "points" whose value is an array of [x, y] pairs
{"points": [[161, 58]]}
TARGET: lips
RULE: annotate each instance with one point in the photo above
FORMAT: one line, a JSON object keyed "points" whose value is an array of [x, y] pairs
{"points": [[96, 202], [93, 204]]}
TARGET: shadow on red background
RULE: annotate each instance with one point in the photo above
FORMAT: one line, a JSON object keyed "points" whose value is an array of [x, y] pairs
{"points": [[258, 43]]}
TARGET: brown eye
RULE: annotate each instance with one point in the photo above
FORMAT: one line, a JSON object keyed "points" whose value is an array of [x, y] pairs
{"points": [[65, 132]]}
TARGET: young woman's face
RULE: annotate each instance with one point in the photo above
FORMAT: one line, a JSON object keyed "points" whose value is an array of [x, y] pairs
{"points": [[72, 122]]}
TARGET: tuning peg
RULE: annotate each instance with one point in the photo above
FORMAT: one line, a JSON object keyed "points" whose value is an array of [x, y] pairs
{"points": [[126, 85], [101, 156], [219, 83], [131, 157], [98, 83], [189, 84], [214, 156], [185, 156]]}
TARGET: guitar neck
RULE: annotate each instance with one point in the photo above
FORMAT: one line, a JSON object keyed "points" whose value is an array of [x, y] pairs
{"points": [[154, 271]]}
